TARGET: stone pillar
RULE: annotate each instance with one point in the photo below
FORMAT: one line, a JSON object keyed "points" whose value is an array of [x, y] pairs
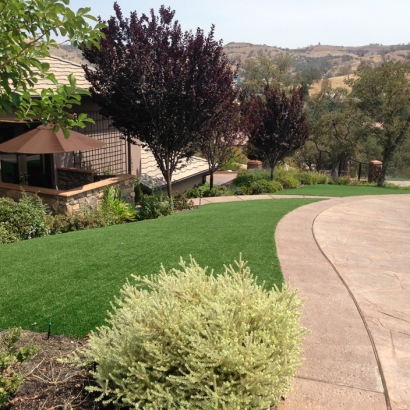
{"points": [[254, 164], [375, 169]]}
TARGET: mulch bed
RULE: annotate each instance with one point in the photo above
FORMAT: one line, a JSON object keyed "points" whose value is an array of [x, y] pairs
{"points": [[50, 384]]}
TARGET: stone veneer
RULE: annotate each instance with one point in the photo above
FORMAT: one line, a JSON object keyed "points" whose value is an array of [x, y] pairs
{"points": [[73, 201]]}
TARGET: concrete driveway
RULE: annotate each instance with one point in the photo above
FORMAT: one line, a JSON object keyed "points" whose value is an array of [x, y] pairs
{"points": [[350, 258]]}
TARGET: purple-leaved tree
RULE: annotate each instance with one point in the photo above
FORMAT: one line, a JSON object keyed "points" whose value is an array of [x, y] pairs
{"points": [[279, 124], [161, 86]]}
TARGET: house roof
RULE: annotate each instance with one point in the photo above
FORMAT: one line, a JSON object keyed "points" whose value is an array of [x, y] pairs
{"points": [[151, 176], [61, 69]]}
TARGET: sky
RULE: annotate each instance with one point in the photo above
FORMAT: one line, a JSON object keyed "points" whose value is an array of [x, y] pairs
{"points": [[281, 23]]}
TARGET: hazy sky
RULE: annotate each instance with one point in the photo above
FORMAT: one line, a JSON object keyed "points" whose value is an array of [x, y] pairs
{"points": [[282, 23]]}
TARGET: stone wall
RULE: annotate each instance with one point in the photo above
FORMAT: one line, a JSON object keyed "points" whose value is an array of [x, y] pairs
{"points": [[375, 169], [69, 178], [74, 201]]}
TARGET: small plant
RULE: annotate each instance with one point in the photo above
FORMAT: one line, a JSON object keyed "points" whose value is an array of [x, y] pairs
{"points": [[10, 357], [343, 180], [182, 202], [114, 204], [191, 340], [312, 178], [154, 206]]}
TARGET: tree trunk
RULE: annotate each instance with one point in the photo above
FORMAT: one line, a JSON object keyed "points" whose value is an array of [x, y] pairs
{"points": [[335, 170], [168, 177], [271, 173], [211, 178]]}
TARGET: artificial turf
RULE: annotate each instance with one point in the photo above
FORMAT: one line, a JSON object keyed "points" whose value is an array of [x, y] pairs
{"points": [[342, 190], [70, 279]]}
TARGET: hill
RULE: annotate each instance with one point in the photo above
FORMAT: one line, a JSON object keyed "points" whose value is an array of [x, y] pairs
{"points": [[321, 61]]}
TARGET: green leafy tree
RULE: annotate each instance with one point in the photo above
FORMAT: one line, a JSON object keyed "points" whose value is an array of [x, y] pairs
{"points": [[265, 71], [337, 125], [383, 93], [27, 28]]}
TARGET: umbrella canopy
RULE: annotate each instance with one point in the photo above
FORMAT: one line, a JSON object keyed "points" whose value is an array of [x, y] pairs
{"points": [[43, 140]]}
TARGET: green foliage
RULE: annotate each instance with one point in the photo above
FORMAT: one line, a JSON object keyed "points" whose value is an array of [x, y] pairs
{"points": [[10, 357], [25, 219], [182, 202], [263, 186], [245, 177], [27, 32], [205, 191], [138, 191], [113, 204], [287, 181], [343, 180], [68, 223], [6, 236], [383, 93], [154, 206], [311, 178], [188, 340]]}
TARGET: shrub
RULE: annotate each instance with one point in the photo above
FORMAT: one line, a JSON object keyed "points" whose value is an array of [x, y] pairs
{"points": [[154, 206], [264, 187], [10, 357], [6, 236], [287, 181], [69, 223], [25, 219], [182, 202], [245, 178], [311, 178], [343, 180], [205, 191], [188, 340]]}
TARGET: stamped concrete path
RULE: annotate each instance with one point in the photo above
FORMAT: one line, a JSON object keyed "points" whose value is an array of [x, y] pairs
{"points": [[350, 258], [352, 264]]}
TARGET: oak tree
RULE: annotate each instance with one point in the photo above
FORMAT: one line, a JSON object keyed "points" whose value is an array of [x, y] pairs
{"points": [[337, 125], [383, 93], [161, 86]]}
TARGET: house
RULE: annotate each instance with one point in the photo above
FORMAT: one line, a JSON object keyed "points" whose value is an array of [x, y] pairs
{"points": [[57, 176]]}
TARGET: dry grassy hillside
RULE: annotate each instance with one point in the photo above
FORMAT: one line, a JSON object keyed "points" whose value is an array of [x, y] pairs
{"points": [[334, 62]]}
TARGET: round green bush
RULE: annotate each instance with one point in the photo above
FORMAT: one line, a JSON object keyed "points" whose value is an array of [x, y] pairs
{"points": [[189, 340], [245, 178], [288, 182], [264, 187], [25, 219]]}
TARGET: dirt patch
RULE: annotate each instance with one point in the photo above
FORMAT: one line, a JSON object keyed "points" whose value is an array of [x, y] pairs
{"points": [[50, 384]]}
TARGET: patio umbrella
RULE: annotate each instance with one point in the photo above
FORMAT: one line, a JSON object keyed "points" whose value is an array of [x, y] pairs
{"points": [[43, 140]]}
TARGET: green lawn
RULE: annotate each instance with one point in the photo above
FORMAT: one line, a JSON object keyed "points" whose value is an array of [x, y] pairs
{"points": [[342, 190], [70, 279]]}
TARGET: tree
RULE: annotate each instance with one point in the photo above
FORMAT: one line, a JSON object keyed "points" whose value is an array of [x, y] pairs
{"points": [[218, 138], [337, 125], [26, 30], [280, 125], [383, 93], [160, 86], [264, 71]]}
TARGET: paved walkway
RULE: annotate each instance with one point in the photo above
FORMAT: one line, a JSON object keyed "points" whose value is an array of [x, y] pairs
{"points": [[350, 258]]}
